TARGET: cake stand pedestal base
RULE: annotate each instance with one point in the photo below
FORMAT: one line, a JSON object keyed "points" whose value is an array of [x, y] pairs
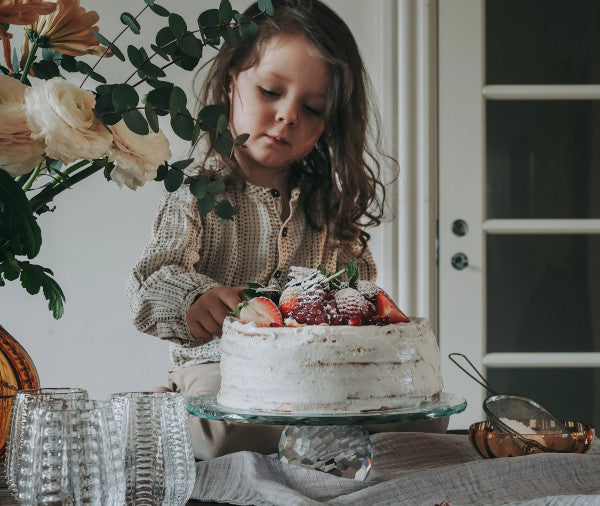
{"points": [[344, 451]]}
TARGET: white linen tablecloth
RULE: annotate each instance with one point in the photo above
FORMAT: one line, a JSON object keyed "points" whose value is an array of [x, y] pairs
{"points": [[408, 468]]}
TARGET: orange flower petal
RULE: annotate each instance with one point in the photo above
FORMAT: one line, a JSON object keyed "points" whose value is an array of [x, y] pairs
{"points": [[24, 12]]}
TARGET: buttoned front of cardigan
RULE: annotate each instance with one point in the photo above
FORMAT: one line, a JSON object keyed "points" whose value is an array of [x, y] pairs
{"points": [[189, 254]]}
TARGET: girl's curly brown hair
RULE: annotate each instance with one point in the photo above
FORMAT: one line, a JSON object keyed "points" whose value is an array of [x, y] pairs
{"points": [[340, 178]]}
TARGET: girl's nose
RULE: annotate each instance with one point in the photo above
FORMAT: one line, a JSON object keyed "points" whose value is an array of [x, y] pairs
{"points": [[286, 113]]}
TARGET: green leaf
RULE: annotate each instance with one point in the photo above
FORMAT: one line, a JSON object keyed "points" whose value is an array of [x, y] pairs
{"points": [[136, 57], [177, 25], [223, 143], [159, 9], [177, 100], [136, 122], [69, 63], [166, 40], [173, 180], [190, 45], [125, 97], [152, 70], [222, 124], [248, 30], [34, 277], [105, 42], [206, 204], [241, 139], [149, 2], [199, 187], [161, 172], [266, 6], [151, 117], [216, 187], [225, 12], [84, 68], [230, 36], [352, 272], [183, 125], [210, 114], [159, 52], [131, 22], [208, 22], [17, 223], [46, 69], [15, 60], [160, 97], [225, 210], [182, 164]]}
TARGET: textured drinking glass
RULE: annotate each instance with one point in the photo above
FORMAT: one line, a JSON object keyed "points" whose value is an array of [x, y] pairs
{"points": [[159, 461], [72, 455], [20, 422]]}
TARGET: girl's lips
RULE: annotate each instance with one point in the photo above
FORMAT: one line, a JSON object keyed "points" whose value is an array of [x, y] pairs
{"points": [[276, 139]]}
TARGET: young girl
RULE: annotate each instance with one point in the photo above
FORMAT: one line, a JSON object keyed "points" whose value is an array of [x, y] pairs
{"points": [[306, 184]]}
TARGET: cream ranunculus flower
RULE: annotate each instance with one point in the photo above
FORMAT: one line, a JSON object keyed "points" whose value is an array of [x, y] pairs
{"points": [[19, 153], [61, 113], [136, 156]]}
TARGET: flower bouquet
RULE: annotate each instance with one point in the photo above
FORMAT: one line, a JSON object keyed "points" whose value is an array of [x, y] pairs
{"points": [[54, 133]]}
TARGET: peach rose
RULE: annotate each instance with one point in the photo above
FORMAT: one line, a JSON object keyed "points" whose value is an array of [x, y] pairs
{"points": [[136, 156], [19, 152], [62, 114]]}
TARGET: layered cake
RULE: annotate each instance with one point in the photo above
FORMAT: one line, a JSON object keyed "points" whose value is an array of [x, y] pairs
{"points": [[322, 345]]}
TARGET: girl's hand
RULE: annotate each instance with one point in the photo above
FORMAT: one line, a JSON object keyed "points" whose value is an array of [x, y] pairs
{"points": [[205, 316]]}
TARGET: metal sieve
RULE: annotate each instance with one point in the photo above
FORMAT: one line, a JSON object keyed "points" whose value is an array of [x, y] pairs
{"points": [[520, 416]]}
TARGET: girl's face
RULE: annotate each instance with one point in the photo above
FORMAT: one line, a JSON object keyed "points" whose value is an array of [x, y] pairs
{"points": [[280, 102]]}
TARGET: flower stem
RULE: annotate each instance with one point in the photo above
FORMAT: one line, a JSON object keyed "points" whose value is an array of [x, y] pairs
{"points": [[33, 176], [48, 193], [29, 61]]}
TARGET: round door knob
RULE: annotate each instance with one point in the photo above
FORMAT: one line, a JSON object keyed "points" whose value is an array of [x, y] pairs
{"points": [[459, 261], [460, 227]]}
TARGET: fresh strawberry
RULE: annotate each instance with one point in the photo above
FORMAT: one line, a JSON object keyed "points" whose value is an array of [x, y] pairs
{"points": [[352, 305], [368, 290], [386, 307], [261, 311], [289, 299]]}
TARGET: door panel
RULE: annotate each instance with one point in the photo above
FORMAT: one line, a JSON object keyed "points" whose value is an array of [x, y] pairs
{"points": [[518, 162]]}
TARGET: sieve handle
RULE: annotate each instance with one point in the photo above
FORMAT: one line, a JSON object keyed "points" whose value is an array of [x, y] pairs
{"points": [[480, 380]]}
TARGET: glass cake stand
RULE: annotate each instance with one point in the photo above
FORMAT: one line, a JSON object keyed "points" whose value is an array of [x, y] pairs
{"points": [[331, 442]]}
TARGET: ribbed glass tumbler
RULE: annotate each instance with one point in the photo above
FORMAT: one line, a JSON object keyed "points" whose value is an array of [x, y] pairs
{"points": [[73, 455], [159, 460], [21, 426]]}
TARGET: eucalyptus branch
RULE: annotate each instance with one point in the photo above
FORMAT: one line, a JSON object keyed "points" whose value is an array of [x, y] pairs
{"points": [[101, 57]]}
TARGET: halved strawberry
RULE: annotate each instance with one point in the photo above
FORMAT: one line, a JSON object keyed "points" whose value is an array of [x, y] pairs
{"points": [[289, 299], [386, 307], [261, 311]]}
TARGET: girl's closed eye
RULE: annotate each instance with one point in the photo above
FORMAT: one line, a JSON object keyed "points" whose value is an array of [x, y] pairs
{"points": [[313, 111], [268, 93]]}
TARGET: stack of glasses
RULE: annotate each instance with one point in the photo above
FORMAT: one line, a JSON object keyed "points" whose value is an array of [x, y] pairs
{"points": [[134, 448]]}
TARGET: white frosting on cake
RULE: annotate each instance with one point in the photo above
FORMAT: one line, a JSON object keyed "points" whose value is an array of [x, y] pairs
{"points": [[315, 368]]}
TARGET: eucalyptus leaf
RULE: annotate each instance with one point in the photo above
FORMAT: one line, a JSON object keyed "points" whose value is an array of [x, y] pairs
{"points": [[208, 22], [225, 12], [105, 42], [159, 9], [206, 205], [210, 114], [46, 69], [215, 187], [190, 45], [173, 180], [149, 2], [230, 36], [84, 68], [160, 52], [221, 123], [131, 22], [177, 25], [199, 187], [223, 143], [151, 117], [183, 125], [166, 41], [182, 164], [225, 210], [135, 56], [177, 100], [136, 122], [241, 139], [152, 70], [124, 97], [69, 63], [266, 6], [187, 62], [161, 172], [248, 30]]}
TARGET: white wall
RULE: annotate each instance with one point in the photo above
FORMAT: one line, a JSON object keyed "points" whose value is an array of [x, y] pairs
{"points": [[98, 231]]}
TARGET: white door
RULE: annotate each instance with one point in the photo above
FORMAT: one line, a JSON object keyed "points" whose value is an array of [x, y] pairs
{"points": [[519, 164]]}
